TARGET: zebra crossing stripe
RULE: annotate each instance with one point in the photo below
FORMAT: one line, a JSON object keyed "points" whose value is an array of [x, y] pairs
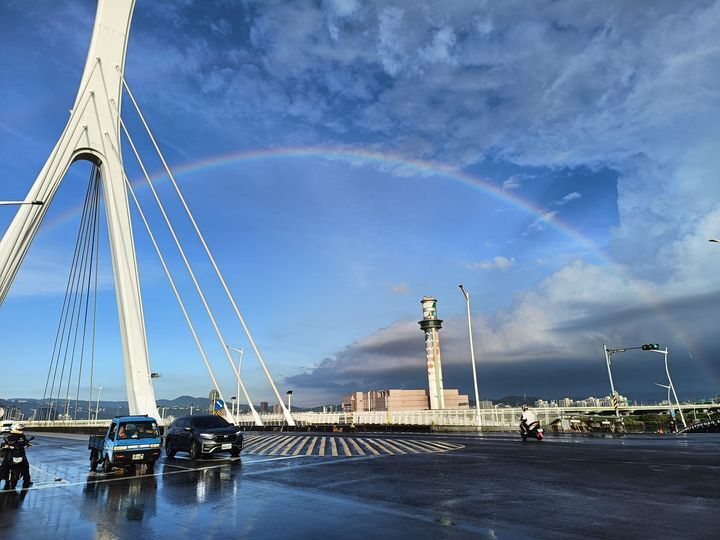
{"points": [[424, 446], [407, 446], [311, 447], [359, 450], [262, 447], [391, 443], [289, 442], [342, 446], [345, 446], [433, 446], [381, 446], [369, 447], [303, 440]]}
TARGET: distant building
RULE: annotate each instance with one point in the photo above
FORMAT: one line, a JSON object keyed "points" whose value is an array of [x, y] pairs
{"points": [[264, 407], [392, 400], [486, 404]]}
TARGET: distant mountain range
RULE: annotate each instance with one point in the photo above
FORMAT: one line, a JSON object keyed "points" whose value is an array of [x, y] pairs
{"points": [[168, 407]]}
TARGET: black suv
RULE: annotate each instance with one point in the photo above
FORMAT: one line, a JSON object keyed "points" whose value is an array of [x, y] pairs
{"points": [[203, 435]]}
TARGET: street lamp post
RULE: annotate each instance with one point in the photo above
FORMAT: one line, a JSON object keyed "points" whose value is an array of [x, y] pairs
{"points": [[242, 352], [289, 394], [672, 386], [472, 354], [19, 203], [608, 354]]}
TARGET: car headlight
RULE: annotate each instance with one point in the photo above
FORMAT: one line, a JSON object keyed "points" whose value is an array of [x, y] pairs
{"points": [[238, 434], [206, 435]]}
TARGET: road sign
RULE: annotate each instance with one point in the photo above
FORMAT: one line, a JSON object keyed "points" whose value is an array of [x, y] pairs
{"points": [[614, 400], [219, 404]]}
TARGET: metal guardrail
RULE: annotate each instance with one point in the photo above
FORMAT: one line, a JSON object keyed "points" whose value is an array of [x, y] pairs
{"points": [[501, 417]]}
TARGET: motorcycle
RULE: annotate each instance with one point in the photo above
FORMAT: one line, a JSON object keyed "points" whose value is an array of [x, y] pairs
{"points": [[531, 430], [14, 456]]}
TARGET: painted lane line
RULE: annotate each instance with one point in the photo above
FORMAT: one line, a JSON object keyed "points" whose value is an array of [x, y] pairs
{"points": [[185, 470], [333, 446], [321, 450]]}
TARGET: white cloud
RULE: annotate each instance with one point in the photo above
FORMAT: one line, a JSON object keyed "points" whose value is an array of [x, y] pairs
{"points": [[539, 223], [511, 183], [497, 263], [400, 288], [567, 198]]}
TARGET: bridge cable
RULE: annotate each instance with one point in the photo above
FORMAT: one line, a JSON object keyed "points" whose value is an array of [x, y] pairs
{"points": [[171, 280], [94, 318], [192, 274], [82, 296], [83, 291], [65, 311], [207, 251], [93, 269]]}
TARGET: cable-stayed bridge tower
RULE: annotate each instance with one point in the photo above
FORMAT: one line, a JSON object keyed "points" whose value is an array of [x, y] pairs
{"points": [[93, 133], [92, 128]]}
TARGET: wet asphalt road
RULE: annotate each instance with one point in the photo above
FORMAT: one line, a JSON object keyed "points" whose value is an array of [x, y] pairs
{"points": [[421, 486]]}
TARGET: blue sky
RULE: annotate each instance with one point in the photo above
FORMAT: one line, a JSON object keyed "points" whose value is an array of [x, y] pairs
{"points": [[559, 159]]}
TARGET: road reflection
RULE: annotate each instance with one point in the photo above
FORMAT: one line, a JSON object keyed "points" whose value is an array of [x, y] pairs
{"points": [[12, 499], [117, 501]]}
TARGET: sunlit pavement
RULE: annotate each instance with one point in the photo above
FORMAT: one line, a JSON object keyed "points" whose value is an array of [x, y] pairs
{"points": [[381, 486]]}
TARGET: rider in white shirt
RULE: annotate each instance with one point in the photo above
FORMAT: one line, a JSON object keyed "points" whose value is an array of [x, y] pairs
{"points": [[528, 417]]}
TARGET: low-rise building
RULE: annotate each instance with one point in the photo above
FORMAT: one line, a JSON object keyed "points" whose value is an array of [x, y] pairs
{"points": [[396, 399]]}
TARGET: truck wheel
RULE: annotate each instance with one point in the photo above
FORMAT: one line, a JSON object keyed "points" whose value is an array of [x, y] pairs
{"points": [[150, 468], [195, 452], [94, 460], [107, 466], [169, 452], [235, 452]]}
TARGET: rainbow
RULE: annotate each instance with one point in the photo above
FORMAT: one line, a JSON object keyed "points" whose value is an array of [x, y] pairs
{"points": [[389, 161], [406, 167]]}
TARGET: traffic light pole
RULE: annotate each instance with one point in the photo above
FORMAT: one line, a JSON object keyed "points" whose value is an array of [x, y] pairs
{"points": [[608, 353]]}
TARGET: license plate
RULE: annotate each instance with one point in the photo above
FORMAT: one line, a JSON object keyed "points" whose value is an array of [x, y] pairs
{"points": [[226, 446], [137, 456]]}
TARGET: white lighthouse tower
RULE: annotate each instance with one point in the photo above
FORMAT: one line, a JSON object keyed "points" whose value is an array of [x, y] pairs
{"points": [[431, 326]]}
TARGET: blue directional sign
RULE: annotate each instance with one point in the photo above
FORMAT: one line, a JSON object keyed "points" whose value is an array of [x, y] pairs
{"points": [[219, 404]]}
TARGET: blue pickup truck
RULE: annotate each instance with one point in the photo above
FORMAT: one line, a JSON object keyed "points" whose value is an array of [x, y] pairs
{"points": [[130, 441]]}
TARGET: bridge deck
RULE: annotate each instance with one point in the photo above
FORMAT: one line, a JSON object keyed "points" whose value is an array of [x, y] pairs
{"points": [[449, 486]]}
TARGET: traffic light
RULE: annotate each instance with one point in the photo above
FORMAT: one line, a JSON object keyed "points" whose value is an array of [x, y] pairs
{"points": [[650, 347]]}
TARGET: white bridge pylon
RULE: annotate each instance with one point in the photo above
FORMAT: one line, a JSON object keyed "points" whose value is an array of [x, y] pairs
{"points": [[93, 133]]}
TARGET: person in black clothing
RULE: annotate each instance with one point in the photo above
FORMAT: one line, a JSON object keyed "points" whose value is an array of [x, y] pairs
{"points": [[18, 439]]}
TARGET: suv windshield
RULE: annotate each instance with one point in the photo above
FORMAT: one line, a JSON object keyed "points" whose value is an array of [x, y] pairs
{"points": [[205, 422], [137, 430]]}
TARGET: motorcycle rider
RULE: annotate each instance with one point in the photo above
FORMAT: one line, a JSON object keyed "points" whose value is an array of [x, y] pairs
{"points": [[527, 419], [18, 439]]}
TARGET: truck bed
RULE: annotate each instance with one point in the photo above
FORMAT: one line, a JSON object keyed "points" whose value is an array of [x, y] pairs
{"points": [[96, 442]]}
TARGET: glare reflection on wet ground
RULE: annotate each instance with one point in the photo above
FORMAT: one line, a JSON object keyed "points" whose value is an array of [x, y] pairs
{"points": [[450, 486]]}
